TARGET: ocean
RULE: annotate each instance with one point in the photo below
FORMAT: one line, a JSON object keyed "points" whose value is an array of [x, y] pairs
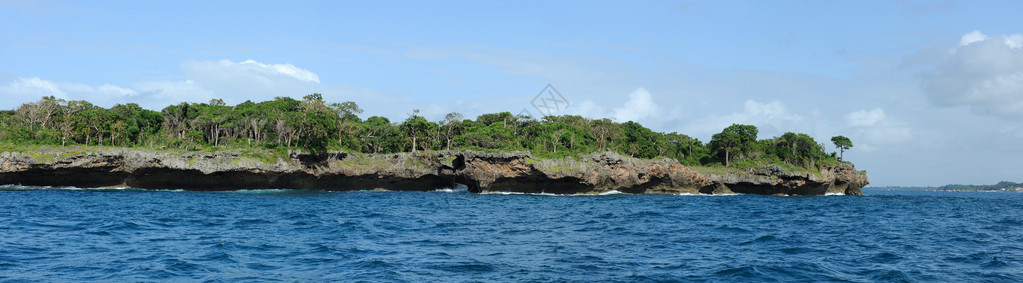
{"points": [[72, 234]]}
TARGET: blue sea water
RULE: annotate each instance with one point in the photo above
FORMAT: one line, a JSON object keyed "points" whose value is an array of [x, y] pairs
{"points": [[68, 234]]}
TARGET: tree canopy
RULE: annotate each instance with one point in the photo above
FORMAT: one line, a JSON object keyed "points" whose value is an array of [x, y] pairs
{"points": [[843, 144], [735, 138], [315, 124]]}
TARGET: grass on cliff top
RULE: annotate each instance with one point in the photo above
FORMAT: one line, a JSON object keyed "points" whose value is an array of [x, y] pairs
{"points": [[46, 153], [742, 166], [549, 161], [359, 161], [49, 153], [420, 160], [266, 156]]}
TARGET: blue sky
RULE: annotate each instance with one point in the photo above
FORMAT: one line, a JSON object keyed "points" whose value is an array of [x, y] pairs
{"points": [[930, 92]]}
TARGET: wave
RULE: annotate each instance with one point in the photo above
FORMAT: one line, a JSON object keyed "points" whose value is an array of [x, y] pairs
{"points": [[446, 190], [13, 187], [608, 193], [259, 191], [529, 194], [457, 189], [709, 195]]}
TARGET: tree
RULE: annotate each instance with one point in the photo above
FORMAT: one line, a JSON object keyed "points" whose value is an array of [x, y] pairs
{"points": [[40, 112], [95, 121], [488, 119], [639, 141], [380, 135], [556, 135], [734, 138], [416, 128], [605, 131], [347, 113], [281, 114], [70, 117], [677, 145], [451, 122], [798, 149], [317, 120], [843, 144], [312, 123]]}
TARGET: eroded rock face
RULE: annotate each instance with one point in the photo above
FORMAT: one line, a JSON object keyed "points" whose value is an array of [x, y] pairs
{"points": [[605, 172], [481, 172]]}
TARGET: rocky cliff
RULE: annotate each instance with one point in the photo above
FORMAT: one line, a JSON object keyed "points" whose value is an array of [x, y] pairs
{"points": [[480, 172]]}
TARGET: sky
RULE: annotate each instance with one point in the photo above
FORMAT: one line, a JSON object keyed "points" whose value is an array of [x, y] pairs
{"points": [[930, 92]]}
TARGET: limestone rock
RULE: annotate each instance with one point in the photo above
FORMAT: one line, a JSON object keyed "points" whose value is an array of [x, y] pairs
{"points": [[480, 171]]}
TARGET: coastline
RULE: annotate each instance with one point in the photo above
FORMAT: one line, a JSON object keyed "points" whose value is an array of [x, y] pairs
{"points": [[481, 172]]}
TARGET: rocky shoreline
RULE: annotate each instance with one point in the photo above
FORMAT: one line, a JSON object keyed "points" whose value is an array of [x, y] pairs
{"points": [[481, 172]]}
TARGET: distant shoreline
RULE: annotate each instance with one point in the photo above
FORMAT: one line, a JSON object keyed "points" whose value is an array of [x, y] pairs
{"points": [[1003, 186]]}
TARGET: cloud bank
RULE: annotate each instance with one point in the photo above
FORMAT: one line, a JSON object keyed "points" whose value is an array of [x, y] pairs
{"points": [[205, 80], [983, 73], [864, 117], [639, 106]]}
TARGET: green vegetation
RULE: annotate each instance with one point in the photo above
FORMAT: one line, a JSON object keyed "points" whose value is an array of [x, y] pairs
{"points": [[734, 138], [843, 144], [266, 130], [1003, 186]]}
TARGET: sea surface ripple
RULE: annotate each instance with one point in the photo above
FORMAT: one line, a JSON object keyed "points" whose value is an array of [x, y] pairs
{"points": [[69, 234]]}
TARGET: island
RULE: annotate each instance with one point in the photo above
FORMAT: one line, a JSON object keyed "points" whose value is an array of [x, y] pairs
{"points": [[314, 145], [1003, 186]]}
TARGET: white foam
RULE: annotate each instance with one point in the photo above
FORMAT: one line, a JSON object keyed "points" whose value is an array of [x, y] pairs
{"points": [[116, 188], [503, 193], [612, 192], [457, 189], [260, 191], [709, 195], [13, 187], [521, 193], [834, 194]]}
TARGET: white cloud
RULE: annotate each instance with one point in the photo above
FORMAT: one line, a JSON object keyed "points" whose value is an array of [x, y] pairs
{"points": [[286, 69], [152, 95], [772, 119], [640, 105], [974, 36], [205, 80], [32, 87], [876, 130], [251, 80], [864, 117], [772, 110], [159, 94], [107, 90], [24, 90], [983, 73], [1014, 41]]}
